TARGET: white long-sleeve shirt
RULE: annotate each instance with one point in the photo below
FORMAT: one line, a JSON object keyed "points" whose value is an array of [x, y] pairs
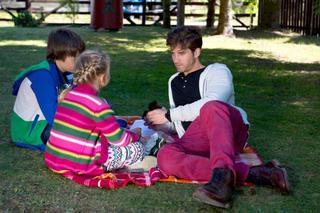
{"points": [[215, 83]]}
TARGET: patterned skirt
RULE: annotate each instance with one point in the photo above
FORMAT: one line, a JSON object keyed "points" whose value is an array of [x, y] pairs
{"points": [[119, 157]]}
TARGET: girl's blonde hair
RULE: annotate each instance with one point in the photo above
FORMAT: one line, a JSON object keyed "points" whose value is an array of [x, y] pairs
{"points": [[91, 64], [88, 66]]}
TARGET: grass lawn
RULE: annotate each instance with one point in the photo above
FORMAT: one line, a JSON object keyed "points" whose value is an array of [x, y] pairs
{"points": [[277, 81]]}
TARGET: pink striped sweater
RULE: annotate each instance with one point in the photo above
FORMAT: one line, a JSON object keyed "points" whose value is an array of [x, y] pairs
{"points": [[83, 127]]}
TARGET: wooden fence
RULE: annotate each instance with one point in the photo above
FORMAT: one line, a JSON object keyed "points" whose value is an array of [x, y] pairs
{"points": [[150, 9], [299, 16]]}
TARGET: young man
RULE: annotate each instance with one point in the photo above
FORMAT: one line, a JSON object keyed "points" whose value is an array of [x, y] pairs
{"points": [[210, 128], [37, 89]]}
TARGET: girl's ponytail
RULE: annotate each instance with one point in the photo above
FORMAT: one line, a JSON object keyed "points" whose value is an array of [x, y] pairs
{"points": [[64, 93]]}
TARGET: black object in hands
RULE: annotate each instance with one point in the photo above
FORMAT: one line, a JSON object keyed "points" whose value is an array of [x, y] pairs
{"points": [[152, 106]]}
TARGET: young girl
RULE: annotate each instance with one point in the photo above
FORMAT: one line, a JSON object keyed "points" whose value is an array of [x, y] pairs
{"points": [[85, 138]]}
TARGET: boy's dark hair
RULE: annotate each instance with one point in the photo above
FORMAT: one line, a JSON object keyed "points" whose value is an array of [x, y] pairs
{"points": [[62, 43], [186, 37]]}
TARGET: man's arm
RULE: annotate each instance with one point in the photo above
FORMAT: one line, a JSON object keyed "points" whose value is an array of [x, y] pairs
{"points": [[217, 85]]}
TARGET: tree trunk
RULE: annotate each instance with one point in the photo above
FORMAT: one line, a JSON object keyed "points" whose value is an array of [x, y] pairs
{"points": [[166, 13], [180, 12], [28, 5], [269, 14], [225, 18], [210, 14]]}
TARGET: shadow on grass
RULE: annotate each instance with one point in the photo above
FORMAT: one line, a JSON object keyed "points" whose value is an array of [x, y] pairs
{"points": [[263, 34], [259, 34], [151, 70], [131, 34], [305, 40], [14, 58]]}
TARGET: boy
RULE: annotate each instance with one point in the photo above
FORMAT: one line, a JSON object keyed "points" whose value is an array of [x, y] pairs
{"points": [[37, 89]]}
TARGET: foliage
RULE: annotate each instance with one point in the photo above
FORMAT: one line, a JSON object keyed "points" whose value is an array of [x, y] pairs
{"points": [[317, 7], [245, 6], [25, 19], [73, 8]]}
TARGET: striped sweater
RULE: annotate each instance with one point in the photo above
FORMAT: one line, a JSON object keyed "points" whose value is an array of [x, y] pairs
{"points": [[83, 127]]}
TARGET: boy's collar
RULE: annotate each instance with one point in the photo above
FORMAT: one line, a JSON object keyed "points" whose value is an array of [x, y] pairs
{"points": [[62, 76]]}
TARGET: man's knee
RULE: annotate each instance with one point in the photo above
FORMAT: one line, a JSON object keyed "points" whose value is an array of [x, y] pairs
{"points": [[213, 106], [162, 157], [165, 157]]}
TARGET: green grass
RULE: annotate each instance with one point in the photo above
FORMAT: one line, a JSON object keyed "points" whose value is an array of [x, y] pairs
{"points": [[277, 81]]}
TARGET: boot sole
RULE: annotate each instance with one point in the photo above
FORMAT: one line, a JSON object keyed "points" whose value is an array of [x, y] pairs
{"points": [[287, 184], [287, 187], [201, 197]]}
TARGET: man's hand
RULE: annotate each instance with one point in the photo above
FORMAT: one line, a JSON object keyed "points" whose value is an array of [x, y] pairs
{"points": [[156, 117]]}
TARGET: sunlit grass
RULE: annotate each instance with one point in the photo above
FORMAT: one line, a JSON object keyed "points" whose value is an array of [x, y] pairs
{"points": [[279, 48], [37, 43]]}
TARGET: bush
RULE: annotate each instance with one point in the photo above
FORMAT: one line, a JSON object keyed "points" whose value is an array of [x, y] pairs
{"points": [[25, 19]]}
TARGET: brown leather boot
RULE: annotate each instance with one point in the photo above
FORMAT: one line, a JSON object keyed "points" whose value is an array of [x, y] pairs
{"points": [[270, 174], [218, 192]]}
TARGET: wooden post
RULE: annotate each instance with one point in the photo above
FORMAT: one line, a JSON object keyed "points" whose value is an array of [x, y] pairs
{"points": [[144, 10], [180, 11]]}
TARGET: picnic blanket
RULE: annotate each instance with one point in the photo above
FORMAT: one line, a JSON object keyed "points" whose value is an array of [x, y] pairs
{"points": [[115, 180]]}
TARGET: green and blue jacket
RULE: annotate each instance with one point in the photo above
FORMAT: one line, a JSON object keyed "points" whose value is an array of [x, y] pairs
{"points": [[36, 89]]}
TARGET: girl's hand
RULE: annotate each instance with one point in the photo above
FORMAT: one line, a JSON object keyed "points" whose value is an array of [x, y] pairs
{"points": [[144, 139], [137, 131]]}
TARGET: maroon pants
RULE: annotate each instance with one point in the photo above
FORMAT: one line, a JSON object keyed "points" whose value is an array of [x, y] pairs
{"points": [[211, 141]]}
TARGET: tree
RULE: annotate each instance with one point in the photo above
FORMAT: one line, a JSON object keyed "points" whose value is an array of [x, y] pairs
{"points": [[180, 12], [269, 14], [210, 14], [225, 18], [166, 13]]}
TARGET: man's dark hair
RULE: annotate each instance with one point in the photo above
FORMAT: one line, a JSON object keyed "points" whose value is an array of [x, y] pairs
{"points": [[186, 37], [62, 43]]}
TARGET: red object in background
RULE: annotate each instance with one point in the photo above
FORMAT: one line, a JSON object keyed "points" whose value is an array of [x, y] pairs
{"points": [[106, 14]]}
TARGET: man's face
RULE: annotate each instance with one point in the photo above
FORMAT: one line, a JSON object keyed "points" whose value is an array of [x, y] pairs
{"points": [[185, 60]]}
